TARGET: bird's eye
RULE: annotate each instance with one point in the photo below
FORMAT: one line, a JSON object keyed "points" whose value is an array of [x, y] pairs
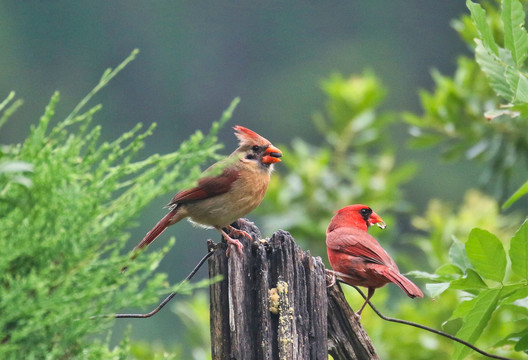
{"points": [[255, 148], [363, 211]]}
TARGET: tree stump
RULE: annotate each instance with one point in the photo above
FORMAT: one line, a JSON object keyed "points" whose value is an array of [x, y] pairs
{"points": [[273, 303]]}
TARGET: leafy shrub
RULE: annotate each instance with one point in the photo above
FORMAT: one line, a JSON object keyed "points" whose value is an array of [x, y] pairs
{"points": [[66, 203]]}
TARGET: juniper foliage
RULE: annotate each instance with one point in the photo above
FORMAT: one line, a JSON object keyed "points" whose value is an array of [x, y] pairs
{"points": [[67, 201]]}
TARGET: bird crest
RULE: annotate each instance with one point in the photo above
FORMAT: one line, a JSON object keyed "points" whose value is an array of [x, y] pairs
{"points": [[249, 137]]}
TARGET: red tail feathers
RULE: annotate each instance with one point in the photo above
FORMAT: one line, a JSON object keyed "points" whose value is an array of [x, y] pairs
{"points": [[405, 284], [157, 230]]}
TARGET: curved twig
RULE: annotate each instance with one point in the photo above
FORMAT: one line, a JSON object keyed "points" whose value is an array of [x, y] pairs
{"points": [[423, 327], [166, 300], [169, 297]]}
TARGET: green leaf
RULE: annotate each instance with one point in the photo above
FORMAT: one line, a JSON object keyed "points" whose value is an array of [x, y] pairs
{"points": [[519, 251], [511, 339], [514, 292], [457, 255], [486, 254], [494, 69], [424, 140], [478, 15], [522, 344], [476, 320], [463, 309], [445, 273], [515, 36], [449, 269], [521, 303], [518, 85], [423, 275], [471, 281], [523, 190], [435, 289]]}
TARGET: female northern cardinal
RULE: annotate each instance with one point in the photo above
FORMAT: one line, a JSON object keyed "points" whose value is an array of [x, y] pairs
{"points": [[357, 257], [217, 201]]}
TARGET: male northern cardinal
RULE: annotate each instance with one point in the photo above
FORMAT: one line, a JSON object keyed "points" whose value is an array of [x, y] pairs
{"points": [[357, 257], [219, 200]]}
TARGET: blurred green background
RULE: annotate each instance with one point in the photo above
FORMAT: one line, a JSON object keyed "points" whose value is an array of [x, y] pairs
{"points": [[196, 56]]}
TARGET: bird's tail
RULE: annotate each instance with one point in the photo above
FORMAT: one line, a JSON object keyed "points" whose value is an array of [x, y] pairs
{"points": [[169, 219], [405, 284], [158, 229]]}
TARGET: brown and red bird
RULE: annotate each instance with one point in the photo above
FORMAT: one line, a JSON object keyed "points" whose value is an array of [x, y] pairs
{"points": [[357, 257], [219, 200]]}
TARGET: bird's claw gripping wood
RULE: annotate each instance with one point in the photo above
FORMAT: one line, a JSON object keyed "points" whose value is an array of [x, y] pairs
{"points": [[330, 278], [232, 241], [237, 232], [238, 244]]}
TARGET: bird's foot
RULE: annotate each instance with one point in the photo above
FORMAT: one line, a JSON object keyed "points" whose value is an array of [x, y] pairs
{"points": [[231, 241], [330, 278], [237, 243], [369, 295], [237, 232]]}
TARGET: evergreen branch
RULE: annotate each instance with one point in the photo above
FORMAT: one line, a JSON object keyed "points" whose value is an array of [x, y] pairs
{"points": [[11, 109], [107, 76]]}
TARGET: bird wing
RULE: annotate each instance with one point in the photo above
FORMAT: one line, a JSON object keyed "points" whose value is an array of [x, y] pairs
{"points": [[358, 243], [207, 187]]}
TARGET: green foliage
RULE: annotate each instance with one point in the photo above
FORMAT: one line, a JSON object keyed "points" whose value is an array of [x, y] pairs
{"points": [[462, 115], [141, 350], [66, 203], [355, 162], [195, 315], [491, 283], [519, 252], [476, 320], [478, 287], [506, 71], [195, 344], [455, 279], [503, 66], [492, 289], [523, 190], [486, 254]]}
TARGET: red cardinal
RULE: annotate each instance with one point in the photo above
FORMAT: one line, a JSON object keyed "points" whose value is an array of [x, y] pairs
{"points": [[219, 200], [357, 257]]}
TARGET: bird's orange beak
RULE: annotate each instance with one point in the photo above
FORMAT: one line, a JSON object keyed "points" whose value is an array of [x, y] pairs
{"points": [[272, 155], [376, 219]]}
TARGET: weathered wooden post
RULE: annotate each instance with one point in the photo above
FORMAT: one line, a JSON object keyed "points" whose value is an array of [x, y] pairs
{"points": [[273, 303]]}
